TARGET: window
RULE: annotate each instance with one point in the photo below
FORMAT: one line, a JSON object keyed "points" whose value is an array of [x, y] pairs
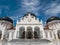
{"points": [[29, 28], [21, 28], [22, 32], [36, 32]]}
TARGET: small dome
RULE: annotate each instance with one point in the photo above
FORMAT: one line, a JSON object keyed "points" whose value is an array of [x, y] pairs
{"points": [[29, 13], [7, 19], [52, 18]]}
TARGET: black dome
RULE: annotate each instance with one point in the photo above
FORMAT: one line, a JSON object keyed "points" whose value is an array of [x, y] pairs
{"points": [[7, 19], [52, 18], [32, 14]]}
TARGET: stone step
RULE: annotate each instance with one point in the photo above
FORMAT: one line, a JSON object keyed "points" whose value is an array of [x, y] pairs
{"points": [[30, 40]]}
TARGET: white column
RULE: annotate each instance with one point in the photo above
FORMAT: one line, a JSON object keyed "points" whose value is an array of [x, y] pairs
{"points": [[3, 31], [49, 35], [2, 35], [15, 33], [43, 33], [10, 36], [33, 32], [25, 32], [56, 34], [58, 25]]}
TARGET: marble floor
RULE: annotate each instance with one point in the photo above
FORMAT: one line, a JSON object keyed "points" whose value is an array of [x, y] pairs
{"points": [[56, 42]]}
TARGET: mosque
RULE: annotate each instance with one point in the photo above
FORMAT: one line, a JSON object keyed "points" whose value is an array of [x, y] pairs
{"points": [[30, 27]]}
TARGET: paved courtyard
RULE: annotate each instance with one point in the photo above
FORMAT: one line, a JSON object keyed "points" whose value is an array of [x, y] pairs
{"points": [[30, 42]]}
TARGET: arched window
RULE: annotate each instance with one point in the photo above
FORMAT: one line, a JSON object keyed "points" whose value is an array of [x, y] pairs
{"points": [[29, 34], [36, 32], [22, 32], [58, 33], [29, 28], [21, 28]]}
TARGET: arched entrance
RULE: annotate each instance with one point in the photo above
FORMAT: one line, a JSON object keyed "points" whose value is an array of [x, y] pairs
{"points": [[22, 33], [29, 34], [36, 33], [58, 33], [0, 34]]}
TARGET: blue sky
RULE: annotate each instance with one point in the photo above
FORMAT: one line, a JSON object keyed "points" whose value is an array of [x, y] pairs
{"points": [[43, 9]]}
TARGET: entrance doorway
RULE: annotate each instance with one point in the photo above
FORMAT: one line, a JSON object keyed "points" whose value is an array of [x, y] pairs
{"points": [[29, 34], [35, 35], [23, 35]]}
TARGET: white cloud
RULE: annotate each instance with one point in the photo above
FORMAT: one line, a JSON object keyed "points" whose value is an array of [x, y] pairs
{"points": [[15, 17], [33, 5], [27, 6], [53, 9], [32, 2]]}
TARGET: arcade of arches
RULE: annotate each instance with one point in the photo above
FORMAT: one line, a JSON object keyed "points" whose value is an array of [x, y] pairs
{"points": [[29, 34]]}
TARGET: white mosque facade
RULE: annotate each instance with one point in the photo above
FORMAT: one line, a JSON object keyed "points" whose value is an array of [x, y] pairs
{"points": [[30, 27]]}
